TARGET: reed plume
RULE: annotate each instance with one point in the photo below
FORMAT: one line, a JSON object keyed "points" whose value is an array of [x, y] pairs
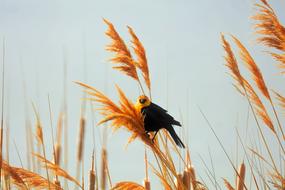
{"points": [[127, 185], [231, 62], [26, 179], [56, 169], [252, 67], [271, 31], [123, 56], [141, 62], [243, 85]]}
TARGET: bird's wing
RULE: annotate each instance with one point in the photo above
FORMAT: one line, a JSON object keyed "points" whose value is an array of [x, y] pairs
{"points": [[160, 115], [157, 107]]}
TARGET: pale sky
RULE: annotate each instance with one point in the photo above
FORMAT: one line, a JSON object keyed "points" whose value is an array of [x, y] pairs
{"points": [[182, 42]]}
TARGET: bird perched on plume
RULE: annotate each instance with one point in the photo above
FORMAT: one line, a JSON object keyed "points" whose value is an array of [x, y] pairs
{"points": [[156, 118]]}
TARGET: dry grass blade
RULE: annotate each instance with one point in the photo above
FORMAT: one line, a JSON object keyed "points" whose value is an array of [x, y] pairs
{"points": [[123, 56], [260, 157], [162, 178], [253, 68], [127, 185], [26, 179], [141, 57], [241, 177], [56, 169], [228, 185]]}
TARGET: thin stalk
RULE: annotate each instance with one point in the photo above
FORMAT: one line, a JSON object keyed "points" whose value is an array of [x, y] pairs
{"points": [[6, 177], [210, 174], [279, 125], [52, 135], [222, 146], [213, 169], [18, 154], [141, 86], [82, 177], [109, 176], [247, 158], [2, 112], [44, 151], [146, 165], [259, 128], [65, 115]]}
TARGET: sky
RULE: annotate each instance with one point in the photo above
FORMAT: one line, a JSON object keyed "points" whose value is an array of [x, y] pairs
{"points": [[185, 56]]}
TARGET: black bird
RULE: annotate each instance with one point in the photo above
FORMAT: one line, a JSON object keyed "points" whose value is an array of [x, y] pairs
{"points": [[156, 118]]}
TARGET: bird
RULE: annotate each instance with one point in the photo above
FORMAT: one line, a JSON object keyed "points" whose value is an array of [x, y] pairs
{"points": [[156, 118]]}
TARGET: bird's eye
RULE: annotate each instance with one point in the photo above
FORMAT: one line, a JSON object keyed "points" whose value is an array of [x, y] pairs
{"points": [[142, 101]]}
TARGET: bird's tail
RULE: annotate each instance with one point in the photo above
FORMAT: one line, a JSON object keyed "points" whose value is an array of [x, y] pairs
{"points": [[176, 123], [175, 137]]}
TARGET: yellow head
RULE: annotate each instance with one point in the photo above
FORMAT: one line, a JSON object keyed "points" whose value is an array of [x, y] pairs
{"points": [[142, 101]]}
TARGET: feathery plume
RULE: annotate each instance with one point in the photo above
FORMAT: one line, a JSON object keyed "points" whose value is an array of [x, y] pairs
{"points": [[252, 67], [26, 179], [231, 62], [56, 169], [272, 32], [258, 106], [141, 57], [127, 185], [244, 87], [126, 116], [123, 56]]}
